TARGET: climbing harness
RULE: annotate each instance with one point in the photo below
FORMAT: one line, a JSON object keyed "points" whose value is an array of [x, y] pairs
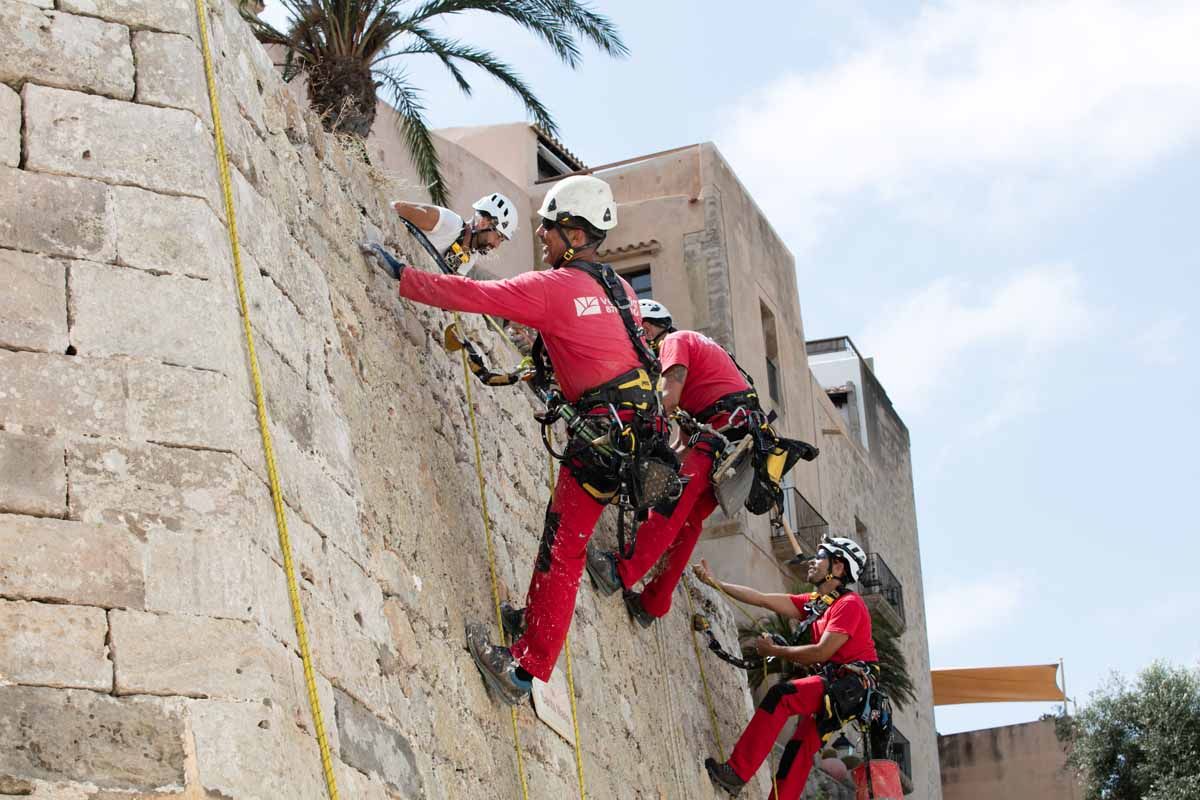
{"points": [[448, 262], [285, 545]]}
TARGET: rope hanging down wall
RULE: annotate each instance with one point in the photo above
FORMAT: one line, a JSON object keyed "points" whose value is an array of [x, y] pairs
{"points": [[285, 544]]}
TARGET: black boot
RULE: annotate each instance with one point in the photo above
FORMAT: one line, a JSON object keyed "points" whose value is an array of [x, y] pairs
{"points": [[602, 566], [723, 775], [513, 620], [633, 604]]}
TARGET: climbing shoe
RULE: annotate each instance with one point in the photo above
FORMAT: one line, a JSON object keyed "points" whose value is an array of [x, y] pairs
{"points": [[602, 566], [513, 620], [723, 775], [633, 604], [382, 259], [498, 667]]}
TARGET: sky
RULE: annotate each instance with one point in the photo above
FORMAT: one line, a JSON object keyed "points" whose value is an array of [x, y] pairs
{"points": [[998, 202]]}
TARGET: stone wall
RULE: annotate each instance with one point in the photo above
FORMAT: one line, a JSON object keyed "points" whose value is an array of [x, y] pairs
{"points": [[147, 648]]}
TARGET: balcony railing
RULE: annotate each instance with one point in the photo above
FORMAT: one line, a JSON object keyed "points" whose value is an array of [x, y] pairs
{"points": [[805, 521], [878, 581]]}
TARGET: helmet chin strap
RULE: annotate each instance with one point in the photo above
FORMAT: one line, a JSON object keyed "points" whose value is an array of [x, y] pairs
{"points": [[569, 253]]}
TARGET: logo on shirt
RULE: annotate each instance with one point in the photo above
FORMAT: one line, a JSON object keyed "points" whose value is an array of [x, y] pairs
{"points": [[585, 306]]}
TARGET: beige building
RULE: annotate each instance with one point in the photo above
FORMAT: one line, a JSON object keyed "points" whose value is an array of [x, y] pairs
{"points": [[1026, 761], [692, 236]]}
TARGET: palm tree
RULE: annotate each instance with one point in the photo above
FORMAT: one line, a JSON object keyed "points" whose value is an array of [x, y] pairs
{"points": [[350, 48]]}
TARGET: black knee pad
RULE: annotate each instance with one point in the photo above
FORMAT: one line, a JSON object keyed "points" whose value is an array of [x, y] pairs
{"points": [[777, 692], [789, 757], [549, 531]]}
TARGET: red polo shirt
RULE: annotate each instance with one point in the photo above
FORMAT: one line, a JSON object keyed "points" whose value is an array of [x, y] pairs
{"points": [[848, 615], [711, 373]]}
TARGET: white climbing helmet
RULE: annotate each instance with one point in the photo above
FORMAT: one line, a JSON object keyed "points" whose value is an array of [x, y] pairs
{"points": [[501, 209], [847, 550], [654, 311], [584, 197]]}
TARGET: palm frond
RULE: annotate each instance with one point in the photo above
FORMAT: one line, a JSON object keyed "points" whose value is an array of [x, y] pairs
{"points": [[407, 101]]}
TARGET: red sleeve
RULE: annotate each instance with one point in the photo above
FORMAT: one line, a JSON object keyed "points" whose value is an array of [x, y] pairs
{"points": [[521, 299], [674, 351], [846, 617], [798, 600]]}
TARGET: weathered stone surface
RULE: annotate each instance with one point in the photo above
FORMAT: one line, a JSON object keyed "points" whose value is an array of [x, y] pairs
{"points": [[147, 226], [55, 215], [70, 562], [33, 475], [196, 657], [325, 504], [253, 751], [10, 127], [176, 16], [49, 393], [373, 747], [54, 645], [33, 309], [189, 407], [70, 133], [170, 72], [153, 488], [63, 50], [177, 320], [74, 735], [404, 638]]}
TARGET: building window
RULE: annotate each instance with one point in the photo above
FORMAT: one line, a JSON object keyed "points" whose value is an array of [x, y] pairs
{"points": [[771, 344], [639, 279], [902, 752]]}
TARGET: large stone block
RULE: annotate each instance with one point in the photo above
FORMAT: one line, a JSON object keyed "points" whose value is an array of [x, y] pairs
{"points": [[253, 751], [55, 215], [33, 309], [10, 127], [375, 748], [166, 233], [70, 562], [73, 735], [192, 408], [171, 72], [63, 50], [153, 488], [33, 475], [323, 502], [48, 393], [54, 645], [174, 16], [70, 133], [196, 657], [177, 320]]}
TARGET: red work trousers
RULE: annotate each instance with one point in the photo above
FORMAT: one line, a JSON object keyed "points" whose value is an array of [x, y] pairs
{"points": [[790, 698], [675, 535], [550, 603]]}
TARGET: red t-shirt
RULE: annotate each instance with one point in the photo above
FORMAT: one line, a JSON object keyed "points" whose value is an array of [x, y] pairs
{"points": [[711, 373], [583, 332], [848, 615]]}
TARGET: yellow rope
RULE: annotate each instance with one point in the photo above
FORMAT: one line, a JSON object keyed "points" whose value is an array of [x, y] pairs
{"points": [[570, 667], [259, 401], [491, 553], [712, 711]]}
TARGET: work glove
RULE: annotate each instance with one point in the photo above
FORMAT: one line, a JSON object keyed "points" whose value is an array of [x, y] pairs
{"points": [[384, 261]]}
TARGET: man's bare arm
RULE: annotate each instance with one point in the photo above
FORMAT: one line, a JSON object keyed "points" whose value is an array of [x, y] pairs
{"points": [[423, 216], [673, 378], [772, 601]]}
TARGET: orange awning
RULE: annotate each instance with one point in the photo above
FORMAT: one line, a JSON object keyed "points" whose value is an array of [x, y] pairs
{"points": [[996, 684]]}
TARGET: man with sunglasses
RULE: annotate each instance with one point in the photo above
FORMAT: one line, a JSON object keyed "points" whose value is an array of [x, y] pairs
{"points": [[841, 626], [494, 223], [594, 355]]}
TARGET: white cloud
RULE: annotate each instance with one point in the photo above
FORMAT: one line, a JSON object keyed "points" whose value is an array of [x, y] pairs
{"points": [[920, 341], [1007, 98], [1158, 343], [957, 612]]}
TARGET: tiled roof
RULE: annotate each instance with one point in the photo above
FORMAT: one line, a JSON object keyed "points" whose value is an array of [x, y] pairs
{"points": [[650, 247], [560, 148]]}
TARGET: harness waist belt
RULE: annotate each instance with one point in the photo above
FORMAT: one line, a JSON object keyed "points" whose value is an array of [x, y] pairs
{"points": [[729, 403]]}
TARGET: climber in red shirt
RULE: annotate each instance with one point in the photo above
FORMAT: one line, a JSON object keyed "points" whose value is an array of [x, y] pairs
{"points": [[698, 374], [841, 626], [594, 355]]}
